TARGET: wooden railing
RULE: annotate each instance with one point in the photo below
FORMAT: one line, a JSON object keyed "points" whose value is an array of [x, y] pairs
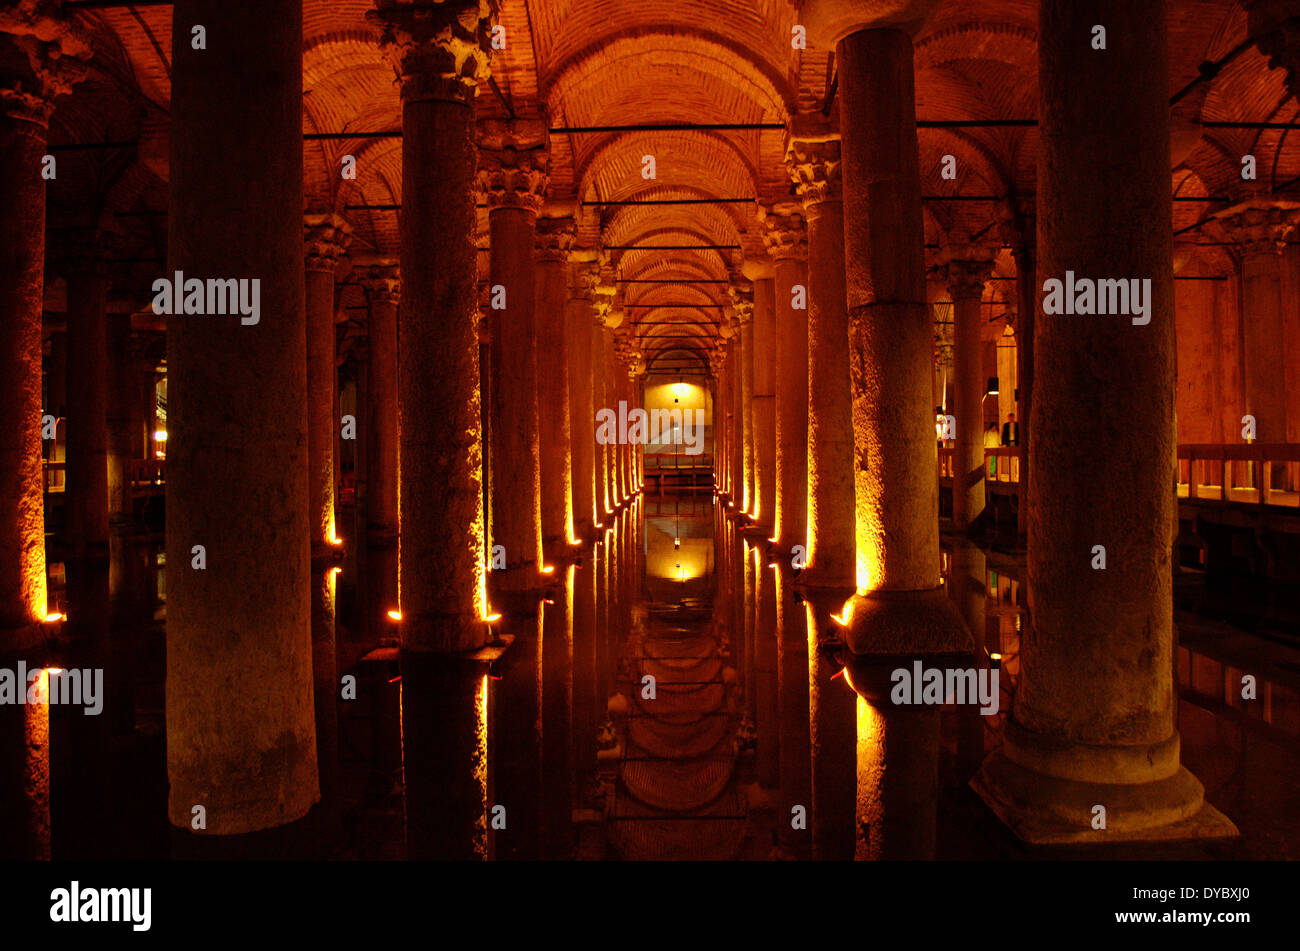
{"points": [[1001, 464], [1252, 474], [1207, 472]]}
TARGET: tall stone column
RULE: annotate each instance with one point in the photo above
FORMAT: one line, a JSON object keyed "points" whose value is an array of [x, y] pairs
{"points": [[121, 439], [735, 381], [380, 281], [899, 612], [554, 240], [87, 460], [764, 339], [813, 161], [238, 581], [1093, 722], [610, 376], [742, 301], [440, 55], [582, 414], [513, 164], [814, 164], [34, 73], [1260, 229], [326, 238], [787, 246], [967, 268], [1027, 306], [602, 302]]}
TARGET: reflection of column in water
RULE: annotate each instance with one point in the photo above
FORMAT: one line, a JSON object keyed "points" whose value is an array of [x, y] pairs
{"points": [[517, 740], [792, 710], [767, 721], [832, 718], [80, 795], [24, 778], [557, 698], [584, 670]]}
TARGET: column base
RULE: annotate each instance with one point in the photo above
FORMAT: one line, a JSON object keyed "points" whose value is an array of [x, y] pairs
{"points": [[1047, 810], [884, 625]]}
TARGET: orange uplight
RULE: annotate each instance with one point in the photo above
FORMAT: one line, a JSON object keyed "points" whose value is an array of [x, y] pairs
{"points": [[336, 570], [394, 615], [54, 670], [548, 569], [839, 620], [492, 618], [335, 540], [54, 616]]}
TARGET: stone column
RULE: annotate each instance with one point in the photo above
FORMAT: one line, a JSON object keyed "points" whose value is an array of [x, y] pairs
{"points": [[742, 299], [1260, 229], [599, 400], [326, 238], [582, 414], [1027, 308], [1093, 722], [26, 101], [736, 381], [788, 247], [513, 164], [814, 164], [967, 268], [440, 55], [554, 240], [813, 160], [86, 497], [379, 279], [238, 554], [899, 611]]}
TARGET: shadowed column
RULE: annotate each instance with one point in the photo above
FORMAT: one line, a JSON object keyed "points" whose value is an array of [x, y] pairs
{"points": [[240, 729], [554, 239], [86, 493], [326, 239], [967, 268], [379, 280], [1091, 751]]}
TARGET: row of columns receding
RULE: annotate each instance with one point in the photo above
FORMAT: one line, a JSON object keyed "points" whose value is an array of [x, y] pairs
{"points": [[825, 441]]}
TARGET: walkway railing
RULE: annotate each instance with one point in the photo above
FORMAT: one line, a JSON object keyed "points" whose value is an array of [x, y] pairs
{"points": [[1253, 474], [1207, 472]]}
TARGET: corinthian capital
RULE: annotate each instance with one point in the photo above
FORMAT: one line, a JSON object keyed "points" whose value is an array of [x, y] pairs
{"points": [[814, 167], [440, 50], [42, 56], [1260, 226], [554, 239], [742, 300], [514, 164], [785, 236], [966, 266], [326, 239]]}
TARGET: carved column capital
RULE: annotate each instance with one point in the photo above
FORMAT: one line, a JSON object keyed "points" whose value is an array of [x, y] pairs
{"points": [[814, 167], [785, 236], [742, 300], [554, 239], [42, 56], [1261, 226], [325, 239], [966, 267], [380, 278], [440, 50]]}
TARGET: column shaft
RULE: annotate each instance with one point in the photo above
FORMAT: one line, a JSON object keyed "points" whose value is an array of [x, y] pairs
{"points": [[237, 440]]}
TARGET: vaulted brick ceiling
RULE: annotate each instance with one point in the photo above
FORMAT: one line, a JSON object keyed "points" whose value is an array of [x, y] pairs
{"points": [[621, 62]]}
